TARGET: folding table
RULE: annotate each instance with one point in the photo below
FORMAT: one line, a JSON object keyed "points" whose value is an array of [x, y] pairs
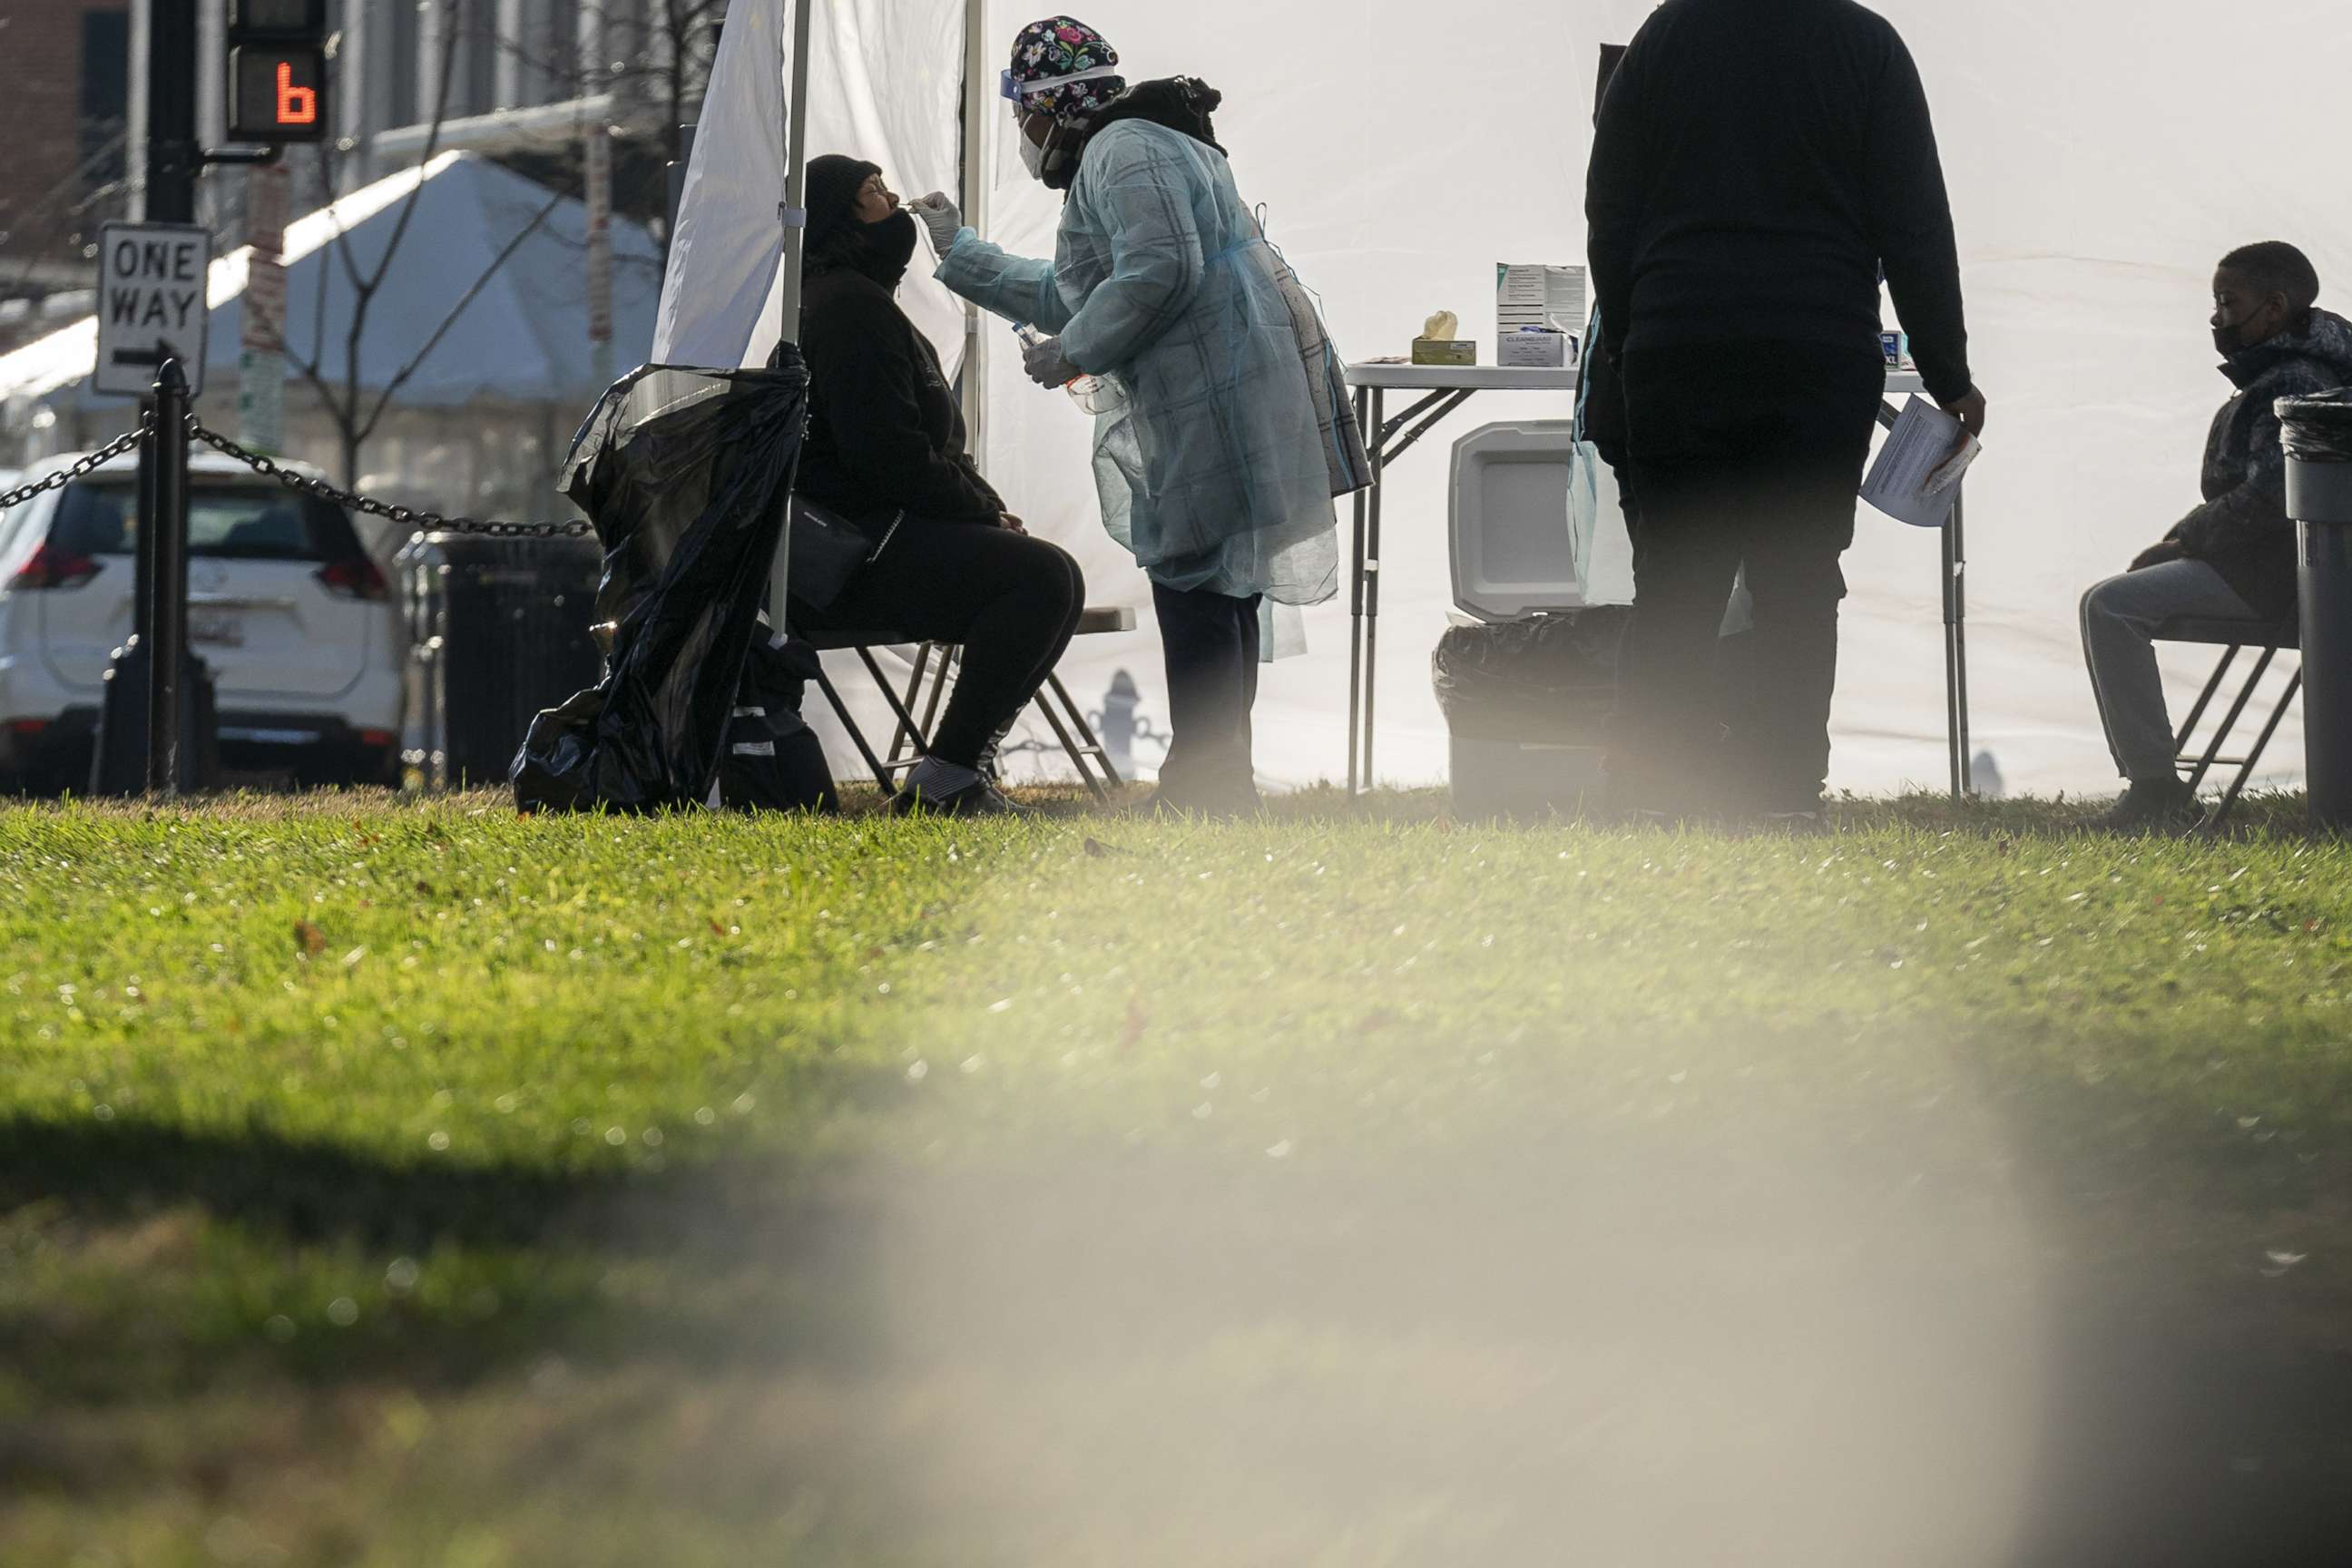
{"points": [[1445, 388]]}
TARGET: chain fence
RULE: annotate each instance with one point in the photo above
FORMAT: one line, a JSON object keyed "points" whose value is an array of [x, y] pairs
{"points": [[83, 467], [425, 519]]}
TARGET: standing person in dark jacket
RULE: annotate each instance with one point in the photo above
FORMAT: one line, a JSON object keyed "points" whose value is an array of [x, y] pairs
{"points": [[885, 446], [2233, 557], [1757, 162]]}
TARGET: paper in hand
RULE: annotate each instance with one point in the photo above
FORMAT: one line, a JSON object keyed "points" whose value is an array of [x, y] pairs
{"points": [[1918, 472]]}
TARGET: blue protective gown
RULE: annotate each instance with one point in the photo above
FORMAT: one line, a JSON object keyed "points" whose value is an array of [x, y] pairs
{"points": [[1228, 431]]}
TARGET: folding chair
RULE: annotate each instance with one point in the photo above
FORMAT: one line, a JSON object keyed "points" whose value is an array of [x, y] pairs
{"points": [[926, 692], [2233, 637]]}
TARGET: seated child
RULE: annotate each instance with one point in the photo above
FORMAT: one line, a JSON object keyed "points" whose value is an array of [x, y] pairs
{"points": [[2233, 557]]}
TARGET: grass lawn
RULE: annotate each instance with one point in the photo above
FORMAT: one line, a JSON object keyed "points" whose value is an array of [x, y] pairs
{"points": [[389, 1184]]}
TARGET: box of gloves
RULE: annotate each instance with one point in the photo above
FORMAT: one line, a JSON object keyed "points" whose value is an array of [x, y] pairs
{"points": [[1536, 348], [1530, 298]]}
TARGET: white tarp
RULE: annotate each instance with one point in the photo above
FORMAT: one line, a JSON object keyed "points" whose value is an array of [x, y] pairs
{"points": [[2101, 157], [522, 336], [886, 83]]}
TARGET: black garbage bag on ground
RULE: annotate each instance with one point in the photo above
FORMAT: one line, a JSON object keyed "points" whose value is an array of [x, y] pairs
{"points": [[774, 762], [685, 474], [1551, 680]]}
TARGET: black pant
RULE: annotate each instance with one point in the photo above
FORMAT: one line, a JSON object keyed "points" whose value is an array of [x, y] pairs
{"points": [[1009, 601], [1742, 452], [1209, 642]]}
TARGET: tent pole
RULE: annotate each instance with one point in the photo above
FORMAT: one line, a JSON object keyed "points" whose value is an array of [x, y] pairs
{"points": [[795, 217], [977, 102], [796, 170]]}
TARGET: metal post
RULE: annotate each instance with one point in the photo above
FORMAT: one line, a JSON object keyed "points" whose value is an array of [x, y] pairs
{"points": [[978, 102], [596, 164], [1951, 665], [167, 614], [1356, 605], [794, 217], [2324, 556], [796, 170], [171, 95], [1955, 646], [1373, 581], [676, 173]]}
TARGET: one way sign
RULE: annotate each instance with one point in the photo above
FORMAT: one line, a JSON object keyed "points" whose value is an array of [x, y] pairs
{"points": [[151, 304]]}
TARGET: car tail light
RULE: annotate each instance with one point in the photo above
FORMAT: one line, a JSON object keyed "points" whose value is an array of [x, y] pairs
{"points": [[28, 728], [50, 567], [356, 578], [379, 739]]}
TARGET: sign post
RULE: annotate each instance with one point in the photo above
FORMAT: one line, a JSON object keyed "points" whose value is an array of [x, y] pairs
{"points": [[261, 359]]}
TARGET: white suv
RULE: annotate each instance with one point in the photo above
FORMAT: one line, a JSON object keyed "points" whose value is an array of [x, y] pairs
{"points": [[284, 606]]}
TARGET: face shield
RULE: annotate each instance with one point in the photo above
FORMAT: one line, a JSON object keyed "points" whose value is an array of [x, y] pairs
{"points": [[1010, 166]]}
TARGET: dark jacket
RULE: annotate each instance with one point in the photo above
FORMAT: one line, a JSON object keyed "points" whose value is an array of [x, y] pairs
{"points": [[886, 431], [1756, 163], [2242, 530]]}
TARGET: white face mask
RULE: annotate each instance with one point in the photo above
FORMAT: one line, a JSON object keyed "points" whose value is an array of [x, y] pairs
{"points": [[1033, 154]]}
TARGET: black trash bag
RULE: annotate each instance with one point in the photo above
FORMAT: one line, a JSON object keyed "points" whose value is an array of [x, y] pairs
{"points": [[685, 474], [2318, 428], [1551, 680], [774, 762]]}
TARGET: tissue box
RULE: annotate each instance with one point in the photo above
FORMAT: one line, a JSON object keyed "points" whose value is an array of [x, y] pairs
{"points": [[1445, 351], [1535, 351]]}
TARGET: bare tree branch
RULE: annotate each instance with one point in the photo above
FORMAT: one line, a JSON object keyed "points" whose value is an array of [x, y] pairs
{"points": [[474, 292]]}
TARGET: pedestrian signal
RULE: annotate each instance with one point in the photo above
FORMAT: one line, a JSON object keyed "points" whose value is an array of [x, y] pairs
{"points": [[276, 70]]}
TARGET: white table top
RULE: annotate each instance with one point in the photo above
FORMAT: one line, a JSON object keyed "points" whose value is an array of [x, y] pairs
{"points": [[1506, 378], [1461, 378]]}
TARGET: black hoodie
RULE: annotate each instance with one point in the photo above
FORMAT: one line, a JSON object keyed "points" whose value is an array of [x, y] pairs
{"points": [[2242, 530], [1757, 162], [886, 430]]}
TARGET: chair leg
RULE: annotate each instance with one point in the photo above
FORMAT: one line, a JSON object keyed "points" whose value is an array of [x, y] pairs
{"points": [[882, 775], [2255, 758], [1087, 737], [890, 695], [901, 735], [1078, 755], [948, 661], [2204, 700], [2237, 711]]}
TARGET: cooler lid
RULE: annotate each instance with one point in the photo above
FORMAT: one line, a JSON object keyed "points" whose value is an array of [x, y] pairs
{"points": [[1513, 556]]}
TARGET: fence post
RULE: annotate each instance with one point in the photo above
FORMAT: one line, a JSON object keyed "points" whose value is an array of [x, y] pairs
{"points": [[165, 628]]}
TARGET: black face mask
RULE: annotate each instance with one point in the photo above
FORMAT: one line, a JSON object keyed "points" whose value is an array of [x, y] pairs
{"points": [[891, 247]]}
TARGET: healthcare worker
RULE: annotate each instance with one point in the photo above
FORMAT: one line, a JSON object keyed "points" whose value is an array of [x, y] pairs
{"points": [[1224, 430]]}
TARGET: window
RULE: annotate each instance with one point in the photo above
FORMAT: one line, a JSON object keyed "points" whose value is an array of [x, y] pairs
{"points": [[233, 522]]}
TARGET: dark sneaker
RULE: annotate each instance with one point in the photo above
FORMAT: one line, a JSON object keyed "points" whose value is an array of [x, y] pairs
{"points": [[979, 799], [2154, 805]]}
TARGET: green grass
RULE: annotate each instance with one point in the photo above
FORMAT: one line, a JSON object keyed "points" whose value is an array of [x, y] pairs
{"points": [[414, 1184]]}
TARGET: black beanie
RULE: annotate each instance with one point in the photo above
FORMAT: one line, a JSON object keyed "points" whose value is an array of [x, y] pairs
{"points": [[833, 183]]}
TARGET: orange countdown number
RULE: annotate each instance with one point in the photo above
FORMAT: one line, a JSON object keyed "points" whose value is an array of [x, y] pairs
{"points": [[295, 105]]}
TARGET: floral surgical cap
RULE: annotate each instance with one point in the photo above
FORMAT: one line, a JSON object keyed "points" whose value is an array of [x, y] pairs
{"points": [[1065, 47]]}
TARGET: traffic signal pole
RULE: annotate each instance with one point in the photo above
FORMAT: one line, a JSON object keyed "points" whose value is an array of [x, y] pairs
{"points": [[173, 158]]}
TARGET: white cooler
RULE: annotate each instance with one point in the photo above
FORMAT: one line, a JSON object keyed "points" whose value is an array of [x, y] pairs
{"points": [[1513, 558]]}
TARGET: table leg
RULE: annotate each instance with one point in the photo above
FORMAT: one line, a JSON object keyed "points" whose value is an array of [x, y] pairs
{"points": [[1371, 580], [1957, 534], [1356, 601]]}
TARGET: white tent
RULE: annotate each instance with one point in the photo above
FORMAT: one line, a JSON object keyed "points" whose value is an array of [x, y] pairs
{"points": [[482, 413], [2101, 157]]}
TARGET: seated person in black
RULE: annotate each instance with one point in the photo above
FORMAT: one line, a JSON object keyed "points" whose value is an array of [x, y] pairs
{"points": [[886, 437], [2231, 558]]}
